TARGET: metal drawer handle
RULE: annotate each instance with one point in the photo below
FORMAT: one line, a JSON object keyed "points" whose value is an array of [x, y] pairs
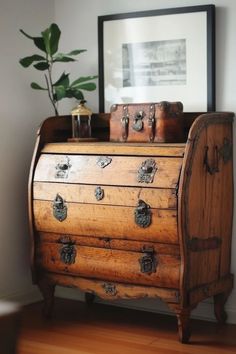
{"points": [[147, 171], [63, 168], [68, 253], [143, 214], [110, 289], [148, 262], [59, 208], [99, 193]]}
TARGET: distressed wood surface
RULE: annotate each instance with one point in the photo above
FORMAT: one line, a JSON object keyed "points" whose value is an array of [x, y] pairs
{"points": [[111, 265], [112, 243], [123, 196], [121, 170], [103, 220], [138, 149]]}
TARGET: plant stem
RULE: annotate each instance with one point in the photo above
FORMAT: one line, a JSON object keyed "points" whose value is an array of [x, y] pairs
{"points": [[50, 86]]}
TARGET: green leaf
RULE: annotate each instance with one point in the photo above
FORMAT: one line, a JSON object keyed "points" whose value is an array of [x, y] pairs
{"points": [[63, 80], [83, 79], [60, 92], [46, 39], [27, 61], [74, 93], [38, 41], [55, 34], [77, 51], [90, 86], [35, 86], [43, 65], [62, 58]]}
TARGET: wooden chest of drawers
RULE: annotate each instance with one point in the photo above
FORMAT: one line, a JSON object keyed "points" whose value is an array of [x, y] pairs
{"points": [[134, 220]]}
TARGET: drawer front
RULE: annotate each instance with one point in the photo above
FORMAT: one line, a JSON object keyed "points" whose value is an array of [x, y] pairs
{"points": [[161, 172], [105, 220], [109, 195], [111, 265]]}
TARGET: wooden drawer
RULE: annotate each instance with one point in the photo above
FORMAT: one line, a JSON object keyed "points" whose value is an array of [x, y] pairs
{"points": [[121, 170], [106, 220], [108, 264], [119, 196]]}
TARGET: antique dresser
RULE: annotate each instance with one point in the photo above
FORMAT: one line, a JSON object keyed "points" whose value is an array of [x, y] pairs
{"points": [[133, 220]]}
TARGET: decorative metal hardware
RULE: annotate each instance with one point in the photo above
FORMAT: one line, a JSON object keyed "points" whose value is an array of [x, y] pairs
{"points": [[138, 123], [143, 214], [197, 244], [103, 161], [68, 253], [215, 166], [63, 168], [148, 262], [110, 289], [147, 171], [226, 151], [151, 122], [125, 123], [99, 193], [59, 208]]}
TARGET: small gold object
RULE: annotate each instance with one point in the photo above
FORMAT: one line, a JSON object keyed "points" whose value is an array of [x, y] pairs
{"points": [[81, 122]]}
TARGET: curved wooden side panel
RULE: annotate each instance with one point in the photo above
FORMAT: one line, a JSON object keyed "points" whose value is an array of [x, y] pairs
{"points": [[205, 202]]}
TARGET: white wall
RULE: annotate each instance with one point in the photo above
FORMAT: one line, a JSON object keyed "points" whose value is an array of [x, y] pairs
{"points": [[78, 21], [21, 111]]}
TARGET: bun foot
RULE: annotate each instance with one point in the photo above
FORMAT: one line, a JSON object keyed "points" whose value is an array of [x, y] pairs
{"points": [[89, 298]]}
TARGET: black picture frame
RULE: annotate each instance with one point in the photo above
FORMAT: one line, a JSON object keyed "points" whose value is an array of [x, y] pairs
{"points": [[206, 70]]}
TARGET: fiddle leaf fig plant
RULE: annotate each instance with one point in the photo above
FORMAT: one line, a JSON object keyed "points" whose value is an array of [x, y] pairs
{"points": [[48, 44]]}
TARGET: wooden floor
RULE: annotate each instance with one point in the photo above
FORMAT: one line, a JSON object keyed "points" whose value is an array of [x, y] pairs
{"points": [[76, 328]]}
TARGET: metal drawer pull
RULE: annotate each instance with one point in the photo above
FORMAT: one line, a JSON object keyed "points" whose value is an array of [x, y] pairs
{"points": [[147, 171], [110, 289], [143, 214], [103, 161], [99, 193], [63, 168], [68, 253], [148, 262], [59, 208]]}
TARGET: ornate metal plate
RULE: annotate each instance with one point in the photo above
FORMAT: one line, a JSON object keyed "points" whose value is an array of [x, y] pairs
{"points": [[110, 289], [103, 161], [99, 193], [147, 171], [63, 168], [68, 253], [59, 208], [138, 121], [148, 262], [143, 214]]}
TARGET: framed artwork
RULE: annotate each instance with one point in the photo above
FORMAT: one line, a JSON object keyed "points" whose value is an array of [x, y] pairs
{"points": [[158, 55]]}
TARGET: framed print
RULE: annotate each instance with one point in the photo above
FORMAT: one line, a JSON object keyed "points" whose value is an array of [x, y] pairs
{"points": [[160, 55]]}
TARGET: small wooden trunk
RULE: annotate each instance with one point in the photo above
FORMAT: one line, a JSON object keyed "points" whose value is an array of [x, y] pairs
{"points": [[135, 220], [147, 122]]}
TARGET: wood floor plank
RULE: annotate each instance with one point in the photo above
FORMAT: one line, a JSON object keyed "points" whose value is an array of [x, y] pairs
{"points": [[102, 329]]}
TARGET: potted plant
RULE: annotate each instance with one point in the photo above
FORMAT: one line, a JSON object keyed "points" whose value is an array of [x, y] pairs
{"points": [[61, 88]]}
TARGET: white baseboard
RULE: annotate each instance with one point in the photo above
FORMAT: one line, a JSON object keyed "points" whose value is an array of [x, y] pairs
{"points": [[24, 297], [204, 310]]}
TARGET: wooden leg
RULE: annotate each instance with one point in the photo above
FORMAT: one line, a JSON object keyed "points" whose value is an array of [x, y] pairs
{"points": [[219, 303], [47, 289], [89, 298], [184, 325], [183, 317]]}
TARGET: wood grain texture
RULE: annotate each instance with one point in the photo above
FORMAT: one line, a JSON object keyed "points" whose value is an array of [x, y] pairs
{"points": [[123, 291], [120, 196], [111, 265], [138, 149], [121, 170], [106, 221], [112, 243], [102, 329]]}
